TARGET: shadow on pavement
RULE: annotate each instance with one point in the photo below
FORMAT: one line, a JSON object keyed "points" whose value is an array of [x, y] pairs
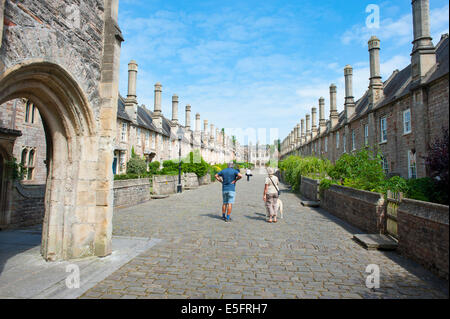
{"points": [[214, 216]]}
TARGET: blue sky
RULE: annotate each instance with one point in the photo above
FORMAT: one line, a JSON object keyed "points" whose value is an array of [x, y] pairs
{"points": [[260, 64]]}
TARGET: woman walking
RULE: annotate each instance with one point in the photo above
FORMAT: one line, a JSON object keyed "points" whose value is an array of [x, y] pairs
{"points": [[271, 194]]}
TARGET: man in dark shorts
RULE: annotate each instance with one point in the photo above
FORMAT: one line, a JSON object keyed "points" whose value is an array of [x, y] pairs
{"points": [[228, 177]]}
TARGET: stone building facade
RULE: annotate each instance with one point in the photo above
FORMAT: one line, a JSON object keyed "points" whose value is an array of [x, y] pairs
{"points": [[64, 57], [401, 116], [155, 137]]}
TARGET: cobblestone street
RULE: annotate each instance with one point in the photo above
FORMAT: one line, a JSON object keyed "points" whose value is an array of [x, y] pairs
{"points": [[308, 254]]}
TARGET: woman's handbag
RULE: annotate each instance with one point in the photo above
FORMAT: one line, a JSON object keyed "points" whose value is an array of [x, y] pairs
{"points": [[279, 193]]}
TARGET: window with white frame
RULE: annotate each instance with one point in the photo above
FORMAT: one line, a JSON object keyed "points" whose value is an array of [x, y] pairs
{"points": [[366, 134], [337, 139], [122, 161], [27, 160], [407, 121], [353, 140], [383, 129], [147, 139], [320, 146], [153, 140], [412, 173], [326, 144], [138, 136], [124, 132]]}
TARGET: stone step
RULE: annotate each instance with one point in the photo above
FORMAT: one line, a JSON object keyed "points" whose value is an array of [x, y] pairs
{"points": [[375, 241], [310, 203], [159, 196]]}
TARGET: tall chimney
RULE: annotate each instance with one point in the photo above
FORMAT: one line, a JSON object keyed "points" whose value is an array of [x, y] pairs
{"points": [[423, 56], [314, 122], [132, 77], [349, 99], [157, 104], [175, 108], [334, 116], [211, 136], [188, 117], [308, 129], [131, 101], [322, 121], [302, 136], [376, 85], [197, 122], [205, 126], [297, 134]]}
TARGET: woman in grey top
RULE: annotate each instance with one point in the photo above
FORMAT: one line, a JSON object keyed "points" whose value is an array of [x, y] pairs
{"points": [[270, 197]]}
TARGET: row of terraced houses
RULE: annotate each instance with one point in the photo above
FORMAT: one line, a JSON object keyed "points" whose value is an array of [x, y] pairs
{"points": [[401, 116]]}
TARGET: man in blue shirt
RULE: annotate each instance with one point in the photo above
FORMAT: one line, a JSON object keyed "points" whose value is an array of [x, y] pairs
{"points": [[228, 177]]}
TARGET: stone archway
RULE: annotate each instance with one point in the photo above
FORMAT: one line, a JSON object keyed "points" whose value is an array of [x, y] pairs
{"points": [[74, 225]]}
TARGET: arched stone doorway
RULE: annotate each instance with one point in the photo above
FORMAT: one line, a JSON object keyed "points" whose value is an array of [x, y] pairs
{"points": [[74, 225]]}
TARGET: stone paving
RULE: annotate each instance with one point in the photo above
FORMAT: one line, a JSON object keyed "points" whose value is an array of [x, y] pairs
{"points": [[308, 254]]}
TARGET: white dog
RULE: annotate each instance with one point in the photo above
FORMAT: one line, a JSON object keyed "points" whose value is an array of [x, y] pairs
{"points": [[280, 209]]}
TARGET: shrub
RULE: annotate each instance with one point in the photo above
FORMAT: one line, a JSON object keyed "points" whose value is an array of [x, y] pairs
{"points": [[16, 171], [296, 166], [360, 170], [154, 167]]}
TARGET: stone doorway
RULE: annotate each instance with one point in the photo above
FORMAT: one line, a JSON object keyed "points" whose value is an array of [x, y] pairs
{"points": [[74, 226]]}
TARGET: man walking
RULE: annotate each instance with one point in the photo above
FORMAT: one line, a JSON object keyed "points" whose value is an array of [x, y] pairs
{"points": [[228, 177]]}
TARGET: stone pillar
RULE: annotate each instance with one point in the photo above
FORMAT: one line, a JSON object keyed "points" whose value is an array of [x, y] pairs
{"points": [[188, 117], [157, 103], [197, 122], [423, 56], [175, 108], [314, 122], [308, 129], [349, 99], [2, 10], [334, 116], [322, 121], [376, 85]]}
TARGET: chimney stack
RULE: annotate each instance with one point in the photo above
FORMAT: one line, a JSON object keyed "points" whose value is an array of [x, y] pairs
{"points": [[334, 116], [157, 104], [197, 122], [132, 78], [349, 99], [376, 85], [297, 134], [314, 122], [188, 117], [175, 108], [423, 56], [308, 129], [205, 126], [212, 132], [322, 121], [302, 126]]}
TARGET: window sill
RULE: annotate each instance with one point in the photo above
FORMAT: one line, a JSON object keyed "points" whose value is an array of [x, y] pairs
{"points": [[381, 143], [407, 133]]}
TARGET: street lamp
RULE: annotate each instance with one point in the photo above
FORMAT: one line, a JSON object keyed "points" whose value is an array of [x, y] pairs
{"points": [[180, 134]]}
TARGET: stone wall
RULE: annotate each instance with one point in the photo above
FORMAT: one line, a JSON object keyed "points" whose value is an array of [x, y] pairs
{"points": [[164, 185], [309, 188], [131, 192], [423, 234], [190, 180], [359, 208], [205, 180], [27, 205]]}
